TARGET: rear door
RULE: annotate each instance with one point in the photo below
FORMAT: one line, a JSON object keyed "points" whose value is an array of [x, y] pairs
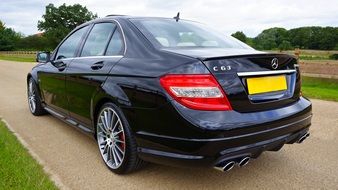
{"points": [[101, 50], [52, 79]]}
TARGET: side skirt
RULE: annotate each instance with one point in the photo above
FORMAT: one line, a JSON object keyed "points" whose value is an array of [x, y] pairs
{"points": [[70, 121]]}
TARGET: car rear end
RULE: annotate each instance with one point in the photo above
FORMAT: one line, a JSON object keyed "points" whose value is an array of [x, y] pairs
{"points": [[241, 102]]}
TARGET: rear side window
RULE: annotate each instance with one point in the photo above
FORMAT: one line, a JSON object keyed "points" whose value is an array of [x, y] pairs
{"points": [[69, 46], [97, 40], [115, 46]]}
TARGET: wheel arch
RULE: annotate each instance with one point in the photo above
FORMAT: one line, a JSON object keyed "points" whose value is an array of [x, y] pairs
{"points": [[99, 100], [96, 108], [34, 77], [29, 76]]}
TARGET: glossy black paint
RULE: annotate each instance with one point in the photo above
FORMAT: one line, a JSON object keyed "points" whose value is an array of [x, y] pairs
{"points": [[74, 89]]}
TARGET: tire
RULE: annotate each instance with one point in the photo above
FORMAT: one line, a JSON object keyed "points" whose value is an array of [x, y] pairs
{"points": [[116, 143], [34, 100]]}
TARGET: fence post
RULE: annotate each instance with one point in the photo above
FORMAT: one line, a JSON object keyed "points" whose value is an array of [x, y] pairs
{"points": [[297, 53]]}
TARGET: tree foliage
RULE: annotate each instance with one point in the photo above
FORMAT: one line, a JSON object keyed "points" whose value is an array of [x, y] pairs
{"points": [[57, 22], [8, 38], [2, 25], [271, 38], [314, 37], [34, 42], [240, 36]]}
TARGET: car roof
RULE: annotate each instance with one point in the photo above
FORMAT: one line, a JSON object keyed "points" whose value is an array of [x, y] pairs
{"points": [[125, 17], [118, 18]]}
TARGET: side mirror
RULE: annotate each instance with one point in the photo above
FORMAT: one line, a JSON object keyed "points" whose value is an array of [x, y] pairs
{"points": [[43, 57]]}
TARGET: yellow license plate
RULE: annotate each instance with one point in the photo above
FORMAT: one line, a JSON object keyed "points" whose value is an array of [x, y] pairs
{"points": [[266, 84]]}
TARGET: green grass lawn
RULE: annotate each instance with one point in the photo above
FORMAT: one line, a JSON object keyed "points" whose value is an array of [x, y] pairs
{"points": [[18, 57], [18, 170], [320, 88]]}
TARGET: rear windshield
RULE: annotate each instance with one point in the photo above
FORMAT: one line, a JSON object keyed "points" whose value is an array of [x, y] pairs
{"points": [[168, 33]]}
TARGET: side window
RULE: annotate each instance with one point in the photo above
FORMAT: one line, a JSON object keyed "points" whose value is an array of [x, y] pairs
{"points": [[69, 46], [97, 40], [115, 46]]}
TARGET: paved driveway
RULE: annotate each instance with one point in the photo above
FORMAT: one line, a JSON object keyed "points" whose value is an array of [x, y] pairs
{"points": [[75, 160]]}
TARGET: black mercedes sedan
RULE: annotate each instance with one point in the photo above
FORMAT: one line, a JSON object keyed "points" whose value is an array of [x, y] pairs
{"points": [[170, 91]]}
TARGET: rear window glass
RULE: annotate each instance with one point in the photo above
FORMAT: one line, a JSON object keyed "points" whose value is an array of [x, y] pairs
{"points": [[171, 34]]}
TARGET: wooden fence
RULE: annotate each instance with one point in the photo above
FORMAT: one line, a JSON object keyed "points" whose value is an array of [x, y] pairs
{"points": [[19, 52]]}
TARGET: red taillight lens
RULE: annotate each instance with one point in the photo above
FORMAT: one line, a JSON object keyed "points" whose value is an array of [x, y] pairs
{"points": [[200, 92]]}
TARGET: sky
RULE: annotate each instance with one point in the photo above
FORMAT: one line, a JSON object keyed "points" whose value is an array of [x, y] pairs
{"points": [[227, 16]]}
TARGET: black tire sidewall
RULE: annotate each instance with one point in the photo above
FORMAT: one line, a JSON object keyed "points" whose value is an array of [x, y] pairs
{"points": [[39, 110]]}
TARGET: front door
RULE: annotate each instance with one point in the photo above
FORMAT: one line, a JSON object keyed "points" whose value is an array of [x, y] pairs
{"points": [[52, 79]]}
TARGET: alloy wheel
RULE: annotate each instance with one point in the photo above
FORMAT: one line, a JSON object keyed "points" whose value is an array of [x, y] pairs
{"points": [[111, 138], [31, 97]]}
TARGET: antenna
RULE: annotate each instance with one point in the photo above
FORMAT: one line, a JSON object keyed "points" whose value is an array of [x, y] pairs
{"points": [[177, 17]]}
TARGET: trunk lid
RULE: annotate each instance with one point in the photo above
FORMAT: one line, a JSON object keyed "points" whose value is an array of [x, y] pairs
{"points": [[242, 72]]}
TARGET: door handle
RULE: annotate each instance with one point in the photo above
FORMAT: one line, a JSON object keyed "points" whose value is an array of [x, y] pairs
{"points": [[97, 66]]}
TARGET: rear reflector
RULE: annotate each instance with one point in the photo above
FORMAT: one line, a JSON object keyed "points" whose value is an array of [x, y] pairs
{"points": [[199, 92]]}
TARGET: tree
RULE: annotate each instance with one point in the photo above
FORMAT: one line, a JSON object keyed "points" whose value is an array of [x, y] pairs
{"points": [[328, 38], [2, 25], [271, 38], [34, 42], [240, 36], [8, 38], [285, 45], [57, 22], [314, 37]]}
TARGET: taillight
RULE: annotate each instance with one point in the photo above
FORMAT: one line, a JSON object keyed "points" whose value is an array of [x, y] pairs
{"points": [[200, 91]]}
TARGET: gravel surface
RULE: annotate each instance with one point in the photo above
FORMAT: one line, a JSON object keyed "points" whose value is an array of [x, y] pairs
{"points": [[73, 157]]}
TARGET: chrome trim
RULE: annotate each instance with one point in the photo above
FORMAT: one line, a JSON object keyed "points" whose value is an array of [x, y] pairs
{"points": [[71, 121], [227, 167], [245, 74], [244, 161], [124, 38], [99, 56], [91, 57], [54, 112], [102, 56]]}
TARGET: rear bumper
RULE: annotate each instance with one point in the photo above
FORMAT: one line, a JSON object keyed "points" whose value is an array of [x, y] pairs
{"points": [[230, 144]]}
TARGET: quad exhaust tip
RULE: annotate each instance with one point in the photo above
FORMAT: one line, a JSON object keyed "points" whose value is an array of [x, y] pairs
{"points": [[226, 167], [244, 161], [302, 138], [229, 165]]}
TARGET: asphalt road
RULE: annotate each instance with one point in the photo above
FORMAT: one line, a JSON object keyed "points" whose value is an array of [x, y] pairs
{"points": [[74, 158]]}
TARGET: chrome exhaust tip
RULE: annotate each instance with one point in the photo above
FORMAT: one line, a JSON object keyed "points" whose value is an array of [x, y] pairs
{"points": [[228, 166], [302, 138], [244, 161], [225, 167]]}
